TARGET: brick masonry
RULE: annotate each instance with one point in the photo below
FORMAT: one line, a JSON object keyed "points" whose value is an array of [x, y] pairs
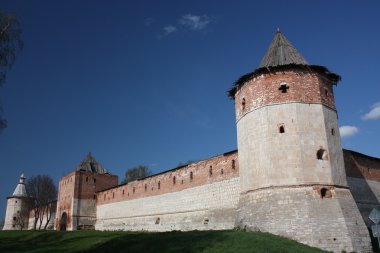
{"points": [[292, 177]]}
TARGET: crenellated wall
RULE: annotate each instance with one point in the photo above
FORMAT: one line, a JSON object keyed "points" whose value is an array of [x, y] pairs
{"points": [[202, 195]]}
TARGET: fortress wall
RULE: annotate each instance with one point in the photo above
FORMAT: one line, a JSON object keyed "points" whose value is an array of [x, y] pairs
{"points": [[363, 176], [208, 200], [209, 206], [208, 171], [50, 225]]}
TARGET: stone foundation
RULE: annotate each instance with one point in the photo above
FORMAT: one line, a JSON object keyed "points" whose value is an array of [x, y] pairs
{"points": [[300, 213]]}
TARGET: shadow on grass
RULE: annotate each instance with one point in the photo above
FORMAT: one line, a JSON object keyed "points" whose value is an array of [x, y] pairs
{"points": [[175, 241], [202, 241]]}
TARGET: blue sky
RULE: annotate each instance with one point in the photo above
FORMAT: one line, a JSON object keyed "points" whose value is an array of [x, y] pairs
{"points": [[145, 82]]}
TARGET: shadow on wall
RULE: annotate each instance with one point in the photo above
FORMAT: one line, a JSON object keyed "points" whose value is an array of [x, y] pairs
{"points": [[363, 177]]}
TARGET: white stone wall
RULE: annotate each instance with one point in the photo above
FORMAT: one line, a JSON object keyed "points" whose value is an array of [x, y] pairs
{"points": [[210, 206], [85, 213], [50, 225], [366, 194], [13, 205], [269, 158], [299, 213]]}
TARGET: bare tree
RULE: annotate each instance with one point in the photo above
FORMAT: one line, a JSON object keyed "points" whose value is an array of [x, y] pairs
{"points": [[140, 171], [10, 46], [43, 191], [20, 220], [2, 222]]}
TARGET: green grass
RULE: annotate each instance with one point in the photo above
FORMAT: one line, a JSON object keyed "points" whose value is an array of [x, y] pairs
{"points": [[194, 241]]}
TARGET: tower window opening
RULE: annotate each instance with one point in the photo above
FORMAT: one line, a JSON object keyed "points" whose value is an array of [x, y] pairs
{"points": [[14, 218], [325, 193], [281, 129], [123, 192], [243, 104], [221, 171], [157, 221], [134, 190], [322, 154], [332, 131], [159, 185], [233, 165], [174, 180], [146, 187], [86, 179], [210, 171], [283, 88], [191, 176], [94, 180]]}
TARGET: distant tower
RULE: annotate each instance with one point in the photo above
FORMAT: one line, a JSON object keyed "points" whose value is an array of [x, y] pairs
{"points": [[17, 214], [292, 175]]}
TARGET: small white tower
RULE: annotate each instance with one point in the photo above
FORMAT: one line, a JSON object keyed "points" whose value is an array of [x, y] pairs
{"points": [[16, 216]]}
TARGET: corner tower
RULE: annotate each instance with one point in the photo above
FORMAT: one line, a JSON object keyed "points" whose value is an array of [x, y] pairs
{"points": [[17, 213], [292, 176]]}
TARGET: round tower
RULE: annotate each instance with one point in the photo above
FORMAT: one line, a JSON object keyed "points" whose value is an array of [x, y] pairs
{"points": [[291, 168], [17, 213]]}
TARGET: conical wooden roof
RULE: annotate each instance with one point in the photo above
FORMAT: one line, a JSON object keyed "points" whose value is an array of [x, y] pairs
{"points": [[281, 52], [20, 190]]}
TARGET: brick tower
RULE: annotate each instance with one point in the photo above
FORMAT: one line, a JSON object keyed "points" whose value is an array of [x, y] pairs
{"points": [[292, 174], [17, 214], [76, 204]]}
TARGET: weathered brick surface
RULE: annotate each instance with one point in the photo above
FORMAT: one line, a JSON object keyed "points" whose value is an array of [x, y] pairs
{"points": [[363, 177], [361, 166], [222, 167], [303, 87], [77, 197]]}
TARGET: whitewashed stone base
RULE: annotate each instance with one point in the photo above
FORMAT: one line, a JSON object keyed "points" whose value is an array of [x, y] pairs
{"points": [[207, 207], [299, 213]]}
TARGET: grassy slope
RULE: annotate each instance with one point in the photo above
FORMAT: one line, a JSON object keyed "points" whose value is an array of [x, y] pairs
{"points": [[194, 241]]}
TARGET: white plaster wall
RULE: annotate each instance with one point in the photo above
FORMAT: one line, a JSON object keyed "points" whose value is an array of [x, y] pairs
{"points": [[12, 208], [269, 158], [50, 226], [214, 204]]}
